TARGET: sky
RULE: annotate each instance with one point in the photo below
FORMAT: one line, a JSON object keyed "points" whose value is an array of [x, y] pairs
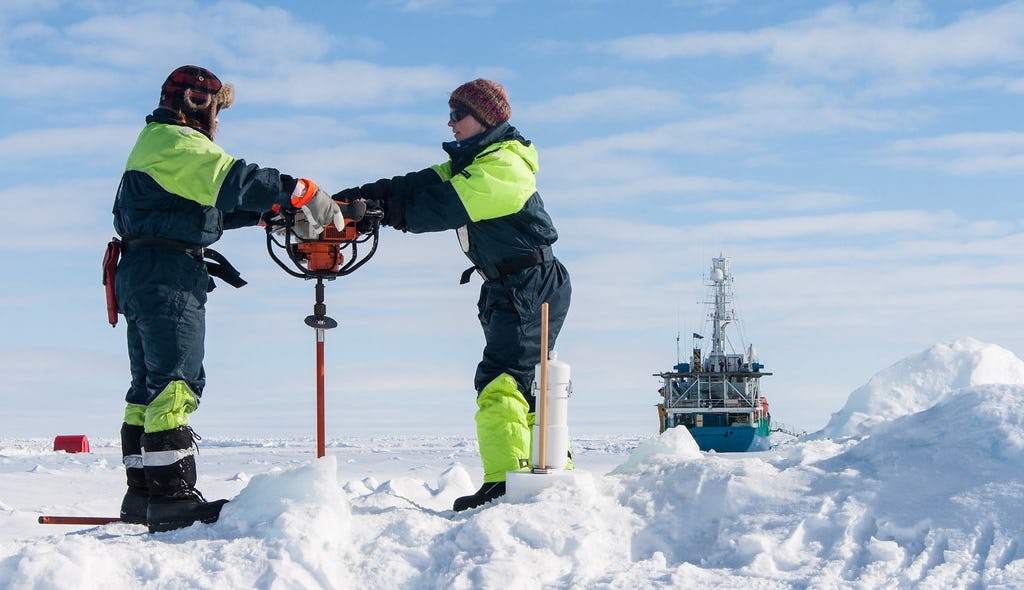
{"points": [[856, 161], [927, 493]]}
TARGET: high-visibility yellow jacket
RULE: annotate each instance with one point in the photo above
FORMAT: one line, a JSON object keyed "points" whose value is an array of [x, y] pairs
{"points": [[487, 191]]}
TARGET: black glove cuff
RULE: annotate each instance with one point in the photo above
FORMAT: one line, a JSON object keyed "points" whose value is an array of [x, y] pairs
{"points": [[354, 210], [378, 191], [348, 195]]}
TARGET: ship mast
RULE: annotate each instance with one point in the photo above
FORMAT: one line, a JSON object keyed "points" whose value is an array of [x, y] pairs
{"points": [[723, 313]]}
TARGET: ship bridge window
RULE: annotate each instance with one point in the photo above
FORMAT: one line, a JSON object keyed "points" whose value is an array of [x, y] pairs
{"points": [[715, 420], [681, 420]]}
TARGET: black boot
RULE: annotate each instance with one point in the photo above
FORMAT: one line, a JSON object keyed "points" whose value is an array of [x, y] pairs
{"points": [[174, 501], [485, 494], [136, 499]]}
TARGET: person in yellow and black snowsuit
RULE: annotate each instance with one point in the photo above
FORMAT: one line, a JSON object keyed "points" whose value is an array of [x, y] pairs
{"points": [[487, 192], [178, 193]]}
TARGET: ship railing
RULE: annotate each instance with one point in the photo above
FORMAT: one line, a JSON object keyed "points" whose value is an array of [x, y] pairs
{"points": [[744, 394], [709, 393], [707, 403]]}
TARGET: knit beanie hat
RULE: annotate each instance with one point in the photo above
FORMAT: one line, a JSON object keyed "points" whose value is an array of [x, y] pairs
{"points": [[197, 93], [486, 100]]}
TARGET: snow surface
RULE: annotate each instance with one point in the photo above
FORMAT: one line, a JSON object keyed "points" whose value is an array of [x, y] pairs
{"points": [[926, 492]]}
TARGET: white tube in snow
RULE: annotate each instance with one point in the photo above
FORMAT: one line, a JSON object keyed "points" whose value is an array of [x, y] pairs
{"points": [[551, 389], [556, 424], [552, 432]]}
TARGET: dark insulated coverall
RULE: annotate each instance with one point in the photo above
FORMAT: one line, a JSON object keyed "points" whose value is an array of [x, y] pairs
{"points": [[179, 192], [487, 193]]}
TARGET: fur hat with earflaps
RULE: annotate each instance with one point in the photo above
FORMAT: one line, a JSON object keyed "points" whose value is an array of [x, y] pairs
{"points": [[197, 94], [485, 99]]}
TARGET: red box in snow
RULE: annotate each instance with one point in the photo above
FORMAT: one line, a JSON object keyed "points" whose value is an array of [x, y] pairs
{"points": [[71, 443]]}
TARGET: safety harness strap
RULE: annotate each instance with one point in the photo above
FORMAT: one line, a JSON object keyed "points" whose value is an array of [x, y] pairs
{"points": [[217, 265], [509, 266]]}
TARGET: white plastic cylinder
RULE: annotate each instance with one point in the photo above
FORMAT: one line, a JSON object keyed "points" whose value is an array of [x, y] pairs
{"points": [[558, 389]]}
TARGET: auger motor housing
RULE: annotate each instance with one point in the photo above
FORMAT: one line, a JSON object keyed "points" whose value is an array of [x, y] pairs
{"points": [[324, 257], [324, 254]]}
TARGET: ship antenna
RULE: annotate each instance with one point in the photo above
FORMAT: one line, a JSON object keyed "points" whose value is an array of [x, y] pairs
{"points": [[678, 358], [678, 331]]}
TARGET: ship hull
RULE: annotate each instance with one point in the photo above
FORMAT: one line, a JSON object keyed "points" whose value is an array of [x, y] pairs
{"points": [[729, 439]]}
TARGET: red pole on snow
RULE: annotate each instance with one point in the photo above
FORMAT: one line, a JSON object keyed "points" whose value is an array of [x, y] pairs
{"points": [[78, 519], [320, 322], [320, 434]]}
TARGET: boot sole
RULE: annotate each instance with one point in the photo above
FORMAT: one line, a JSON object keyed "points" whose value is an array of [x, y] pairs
{"points": [[206, 513]]}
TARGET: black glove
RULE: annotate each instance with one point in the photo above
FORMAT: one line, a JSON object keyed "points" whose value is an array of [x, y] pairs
{"points": [[354, 210], [374, 192], [378, 193], [348, 195], [372, 217]]}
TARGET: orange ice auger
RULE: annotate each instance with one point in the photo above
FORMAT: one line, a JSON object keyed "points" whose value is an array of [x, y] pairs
{"points": [[324, 259]]}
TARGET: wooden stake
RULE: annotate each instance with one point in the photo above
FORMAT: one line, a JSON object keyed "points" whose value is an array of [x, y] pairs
{"points": [[543, 401]]}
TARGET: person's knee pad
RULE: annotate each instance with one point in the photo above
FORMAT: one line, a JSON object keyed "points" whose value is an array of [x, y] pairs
{"points": [[135, 415], [171, 408], [503, 429]]}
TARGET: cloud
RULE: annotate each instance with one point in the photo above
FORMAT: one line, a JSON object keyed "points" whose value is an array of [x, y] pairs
{"points": [[758, 111], [348, 84], [16, 8], [1004, 142], [446, 7], [842, 41], [774, 200], [102, 59], [347, 163], [271, 55], [132, 36], [686, 196], [93, 143], [873, 231], [747, 131], [866, 224], [962, 153], [62, 83], [617, 103], [64, 216]]}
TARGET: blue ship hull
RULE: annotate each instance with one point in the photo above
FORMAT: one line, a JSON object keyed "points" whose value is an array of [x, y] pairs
{"points": [[729, 439]]}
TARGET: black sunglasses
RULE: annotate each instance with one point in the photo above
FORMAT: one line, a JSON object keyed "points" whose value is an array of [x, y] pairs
{"points": [[458, 115]]}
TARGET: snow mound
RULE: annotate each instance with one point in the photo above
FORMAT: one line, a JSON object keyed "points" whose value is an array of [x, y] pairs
{"points": [[674, 445], [966, 449], [931, 498], [272, 504], [920, 381]]}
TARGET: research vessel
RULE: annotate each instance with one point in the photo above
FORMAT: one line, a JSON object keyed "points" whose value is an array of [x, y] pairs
{"points": [[717, 395]]}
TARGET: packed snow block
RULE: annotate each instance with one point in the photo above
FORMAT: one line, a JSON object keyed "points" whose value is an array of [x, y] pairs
{"points": [[526, 486], [71, 443]]}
